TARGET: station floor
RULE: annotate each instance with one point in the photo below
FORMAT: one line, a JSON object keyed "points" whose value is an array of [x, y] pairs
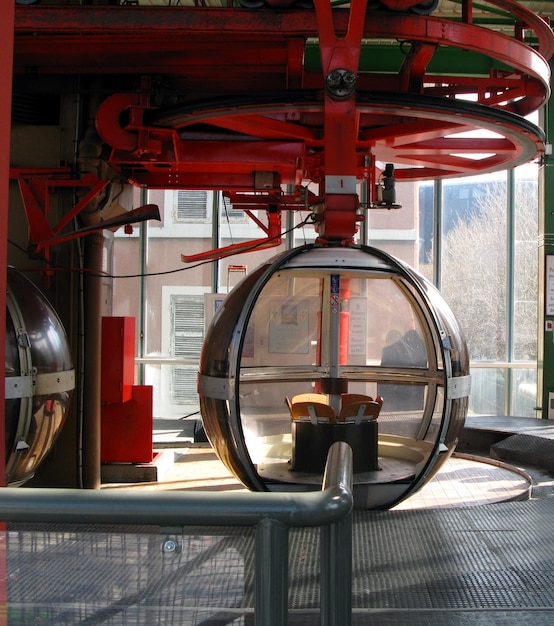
{"points": [[475, 546], [465, 480]]}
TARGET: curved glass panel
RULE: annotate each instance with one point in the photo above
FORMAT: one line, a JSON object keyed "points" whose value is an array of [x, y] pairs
{"points": [[49, 347], [288, 350], [35, 415], [12, 405]]}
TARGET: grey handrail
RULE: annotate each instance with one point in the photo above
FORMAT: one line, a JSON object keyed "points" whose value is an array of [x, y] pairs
{"points": [[272, 514]]}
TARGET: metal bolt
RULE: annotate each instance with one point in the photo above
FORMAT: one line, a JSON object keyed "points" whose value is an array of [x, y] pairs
{"points": [[334, 79], [170, 546], [341, 83]]}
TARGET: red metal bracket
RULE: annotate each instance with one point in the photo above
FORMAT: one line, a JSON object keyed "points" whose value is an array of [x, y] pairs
{"points": [[137, 139], [272, 240], [37, 184]]}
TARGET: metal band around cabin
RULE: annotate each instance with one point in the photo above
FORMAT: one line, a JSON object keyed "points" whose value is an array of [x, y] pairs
{"points": [[217, 388], [458, 387], [39, 385]]}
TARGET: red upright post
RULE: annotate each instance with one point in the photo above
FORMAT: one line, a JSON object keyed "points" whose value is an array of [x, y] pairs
{"points": [[126, 417], [340, 57], [6, 64]]}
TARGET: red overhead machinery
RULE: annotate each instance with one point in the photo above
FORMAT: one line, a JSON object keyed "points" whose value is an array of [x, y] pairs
{"points": [[258, 100]]}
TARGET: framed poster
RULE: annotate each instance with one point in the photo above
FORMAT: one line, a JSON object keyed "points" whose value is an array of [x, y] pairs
{"points": [[549, 296], [289, 329]]}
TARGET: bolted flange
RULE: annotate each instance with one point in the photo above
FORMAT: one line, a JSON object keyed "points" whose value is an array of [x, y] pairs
{"points": [[340, 83]]}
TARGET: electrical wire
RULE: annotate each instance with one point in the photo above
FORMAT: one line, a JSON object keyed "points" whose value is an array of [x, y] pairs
{"points": [[184, 417], [227, 219], [310, 218]]}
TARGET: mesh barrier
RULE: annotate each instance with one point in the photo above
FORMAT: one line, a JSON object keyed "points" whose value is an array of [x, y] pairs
{"points": [[68, 576], [433, 566]]}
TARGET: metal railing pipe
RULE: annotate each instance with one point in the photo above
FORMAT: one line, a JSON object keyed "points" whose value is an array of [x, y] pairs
{"points": [[271, 585], [272, 514], [174, 508], [335, 592], [170, 508]]}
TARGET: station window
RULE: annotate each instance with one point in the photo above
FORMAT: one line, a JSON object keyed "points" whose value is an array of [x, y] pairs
{"points": [[190, 206], [475, 238], [186, 334]]}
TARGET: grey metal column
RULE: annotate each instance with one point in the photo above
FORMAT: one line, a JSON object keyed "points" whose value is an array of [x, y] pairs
{"points": [[143, 291], [94, 246], [437, 233], [272, 573], [336, 573], [216, 239], [335, 552], [334, 305], [510, 287]]}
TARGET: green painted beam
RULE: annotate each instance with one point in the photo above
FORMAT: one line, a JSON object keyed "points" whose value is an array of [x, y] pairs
{"points": [[545, 370]]}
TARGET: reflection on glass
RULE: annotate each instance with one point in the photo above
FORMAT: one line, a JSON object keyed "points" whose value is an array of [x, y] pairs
{"points": [[474, 261], [524, 289], [288, 340], [524, 392], [488, 390]]}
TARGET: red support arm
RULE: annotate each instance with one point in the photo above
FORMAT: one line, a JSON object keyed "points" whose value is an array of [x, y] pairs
{"points": [[272, 240], [340, 58]]}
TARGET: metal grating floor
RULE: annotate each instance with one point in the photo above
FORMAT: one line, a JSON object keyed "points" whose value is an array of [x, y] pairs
{"points": [[453, 555], [485, 565]]}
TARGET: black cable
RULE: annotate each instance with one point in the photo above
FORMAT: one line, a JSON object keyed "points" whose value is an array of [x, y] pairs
{"points": [[309, 219]]}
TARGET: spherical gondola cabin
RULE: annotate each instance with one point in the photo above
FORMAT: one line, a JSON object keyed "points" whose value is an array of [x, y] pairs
{"points": [[39, 378], [334, 343]]}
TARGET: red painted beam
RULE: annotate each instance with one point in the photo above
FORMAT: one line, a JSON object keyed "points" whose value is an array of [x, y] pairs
{"points": [[222, 21], [37, 20], [62, 38], [6, 59]]}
